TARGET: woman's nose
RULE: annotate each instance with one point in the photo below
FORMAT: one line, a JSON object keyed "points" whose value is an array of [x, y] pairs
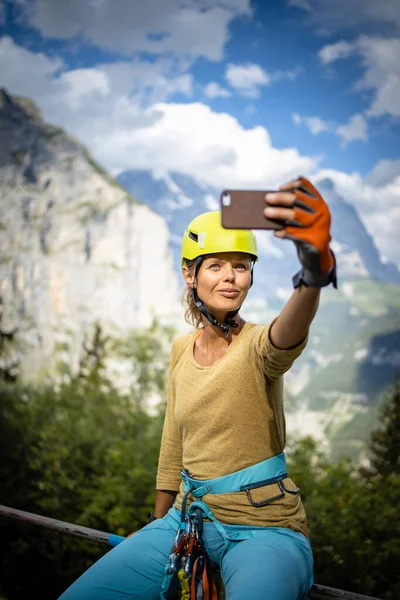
{"points": [[229, 273]]}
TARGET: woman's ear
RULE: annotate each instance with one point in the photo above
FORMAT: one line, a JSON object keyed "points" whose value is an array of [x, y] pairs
{"points": [[188, 276]]}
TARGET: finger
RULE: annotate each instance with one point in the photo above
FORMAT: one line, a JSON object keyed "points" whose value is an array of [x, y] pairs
{"points": [[292, 184], [301, 216], [280, 198], [280, 234], [283, 214], [309, 188], [295, 212], [304, 202]]}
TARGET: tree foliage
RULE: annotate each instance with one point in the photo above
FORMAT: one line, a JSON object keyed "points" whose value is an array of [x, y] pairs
{"points": [[82, 452], [352, 510], [85, 451]]}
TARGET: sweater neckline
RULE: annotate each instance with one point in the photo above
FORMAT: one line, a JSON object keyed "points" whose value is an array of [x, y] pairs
{"points": [[227, 351]]}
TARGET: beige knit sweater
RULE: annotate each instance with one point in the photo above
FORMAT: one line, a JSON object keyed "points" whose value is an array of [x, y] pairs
{"points": [[225, 417]]}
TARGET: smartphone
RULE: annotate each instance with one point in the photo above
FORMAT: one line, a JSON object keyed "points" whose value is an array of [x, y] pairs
{"points": [[244, 209]]}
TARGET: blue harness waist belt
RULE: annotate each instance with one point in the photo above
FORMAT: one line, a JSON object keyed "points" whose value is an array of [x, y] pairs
{"points": [[269, 471]]}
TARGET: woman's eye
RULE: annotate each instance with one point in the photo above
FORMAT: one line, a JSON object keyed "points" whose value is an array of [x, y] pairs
{"points": [[241, 266], [213, 266]]}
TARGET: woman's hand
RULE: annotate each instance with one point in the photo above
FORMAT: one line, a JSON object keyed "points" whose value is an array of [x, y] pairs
{"points": [[307, 223]]}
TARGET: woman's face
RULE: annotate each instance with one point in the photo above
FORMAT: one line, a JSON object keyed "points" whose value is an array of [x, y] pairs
{"points": [[223, 281]]}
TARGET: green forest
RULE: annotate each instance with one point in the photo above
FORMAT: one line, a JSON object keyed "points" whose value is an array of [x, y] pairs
{"points": [[83, 451]]}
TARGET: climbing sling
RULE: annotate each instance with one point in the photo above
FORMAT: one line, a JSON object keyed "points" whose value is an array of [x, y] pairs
{"points": [[188, 560]]}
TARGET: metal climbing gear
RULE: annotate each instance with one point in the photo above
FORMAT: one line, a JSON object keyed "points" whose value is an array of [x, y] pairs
{"points": [[189, 562]]}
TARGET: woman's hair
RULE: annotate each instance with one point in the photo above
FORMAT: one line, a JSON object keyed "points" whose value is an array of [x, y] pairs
{"points": [[192, 314]]}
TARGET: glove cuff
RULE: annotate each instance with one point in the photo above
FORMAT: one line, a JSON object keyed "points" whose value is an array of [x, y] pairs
{"points": [[309, 279]]}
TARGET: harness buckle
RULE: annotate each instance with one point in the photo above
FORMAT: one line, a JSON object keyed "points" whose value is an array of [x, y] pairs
{"points": [[268, 500]]}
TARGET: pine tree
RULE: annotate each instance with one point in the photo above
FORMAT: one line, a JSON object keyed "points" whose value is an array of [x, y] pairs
{"points": [[384, 443]]}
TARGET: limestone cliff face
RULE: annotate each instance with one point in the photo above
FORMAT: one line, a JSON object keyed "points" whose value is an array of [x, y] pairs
{"points": [[75, 247]]}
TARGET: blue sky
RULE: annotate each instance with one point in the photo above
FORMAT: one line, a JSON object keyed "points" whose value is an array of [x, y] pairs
{"points": [[232, 92]]}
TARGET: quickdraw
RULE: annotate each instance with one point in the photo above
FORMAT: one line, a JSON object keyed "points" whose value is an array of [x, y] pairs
{"points": [[189, 562]]}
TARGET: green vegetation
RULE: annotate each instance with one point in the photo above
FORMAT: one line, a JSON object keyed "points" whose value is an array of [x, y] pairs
{"points": [[84, 452], [353, 510]]}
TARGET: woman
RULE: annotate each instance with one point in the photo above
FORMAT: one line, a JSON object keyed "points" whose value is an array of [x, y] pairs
{"points": [[222, 466]]}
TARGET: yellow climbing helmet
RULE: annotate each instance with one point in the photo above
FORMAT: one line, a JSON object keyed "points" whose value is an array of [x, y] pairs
{"points": [[205, 235]]}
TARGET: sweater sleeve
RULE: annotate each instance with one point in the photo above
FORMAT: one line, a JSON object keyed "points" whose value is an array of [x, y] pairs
{"points": [[170, 458], [275, 361]]}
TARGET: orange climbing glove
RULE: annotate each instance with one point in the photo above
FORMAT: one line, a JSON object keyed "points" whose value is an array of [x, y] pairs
{"points": [[309, 229]]}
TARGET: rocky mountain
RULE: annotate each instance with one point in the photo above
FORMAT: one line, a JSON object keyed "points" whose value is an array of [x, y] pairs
{"points": [[74, 247]]}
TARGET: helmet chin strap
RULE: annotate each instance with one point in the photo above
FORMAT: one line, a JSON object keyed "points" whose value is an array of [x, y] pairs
{"points": [[229, 322], [224, 327]]}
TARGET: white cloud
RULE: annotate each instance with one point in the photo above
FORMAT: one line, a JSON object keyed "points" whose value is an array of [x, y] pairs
{"points": [[194, 139], [384, 172], [292, 74], [323, 32], [304, 4], [190, 138], [379, 58], [212, 203], [46, 79], [247, 78], [315, 124], [266, 244], [147, 81], [215, 90], [189, 27], [356, 129], [250, 110], [377, 205], [332, 52], [82, 85], [18, 65], [351, 13]]}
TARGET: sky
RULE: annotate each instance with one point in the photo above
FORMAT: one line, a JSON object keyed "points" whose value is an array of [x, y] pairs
{"points": [[236, 93]]}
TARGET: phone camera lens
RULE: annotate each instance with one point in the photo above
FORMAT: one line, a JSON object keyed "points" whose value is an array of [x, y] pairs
{"points": [[226, 199]]}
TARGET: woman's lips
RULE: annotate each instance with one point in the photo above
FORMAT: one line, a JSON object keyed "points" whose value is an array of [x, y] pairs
{"points": [[228, 293]]}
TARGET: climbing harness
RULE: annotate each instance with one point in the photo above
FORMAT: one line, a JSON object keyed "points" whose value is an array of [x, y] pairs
{"points": [[188, 560]]}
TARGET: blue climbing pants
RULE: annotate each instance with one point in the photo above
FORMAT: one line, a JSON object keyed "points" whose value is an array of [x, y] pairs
{"points": [[275, 563]]}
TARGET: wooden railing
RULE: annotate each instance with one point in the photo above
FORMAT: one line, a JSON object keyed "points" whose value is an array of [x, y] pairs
{"points": [[318, 592]]}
